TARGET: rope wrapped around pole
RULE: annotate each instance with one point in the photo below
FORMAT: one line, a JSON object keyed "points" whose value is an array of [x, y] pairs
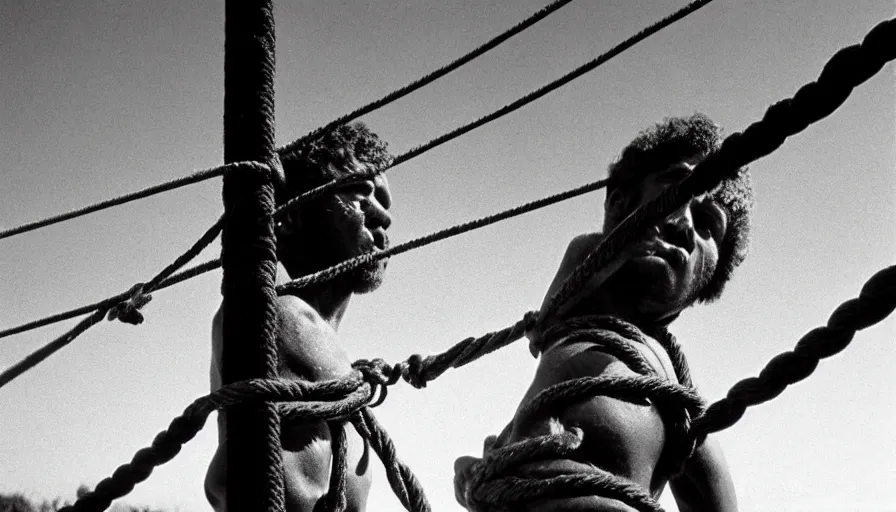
{"points": [[340, 398], [254, 479]]}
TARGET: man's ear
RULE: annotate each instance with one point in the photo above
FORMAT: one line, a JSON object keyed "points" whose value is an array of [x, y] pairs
{"points": [[617, 204]]}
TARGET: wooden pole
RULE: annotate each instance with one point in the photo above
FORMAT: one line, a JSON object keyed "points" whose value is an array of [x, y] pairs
{"points": [[249, 259]]}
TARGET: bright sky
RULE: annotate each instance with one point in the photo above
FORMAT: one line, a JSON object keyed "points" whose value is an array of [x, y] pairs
{"points": [[102, 98]]}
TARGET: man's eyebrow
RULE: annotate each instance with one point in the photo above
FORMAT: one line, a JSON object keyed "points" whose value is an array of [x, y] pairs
{"points": [[677, 172]]}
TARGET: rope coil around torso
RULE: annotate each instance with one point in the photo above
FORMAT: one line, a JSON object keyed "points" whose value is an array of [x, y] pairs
{"points": [[350, 398], [494, 485]]}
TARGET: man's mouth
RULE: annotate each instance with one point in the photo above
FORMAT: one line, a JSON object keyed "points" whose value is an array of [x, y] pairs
{"points": [[676, 256], [380, 239]]}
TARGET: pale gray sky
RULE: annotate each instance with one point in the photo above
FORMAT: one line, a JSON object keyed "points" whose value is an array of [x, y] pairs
{"points": [[103, 97]]}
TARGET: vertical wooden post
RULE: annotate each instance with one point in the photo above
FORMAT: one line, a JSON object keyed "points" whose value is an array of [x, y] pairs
{"points": [[249, 259]]}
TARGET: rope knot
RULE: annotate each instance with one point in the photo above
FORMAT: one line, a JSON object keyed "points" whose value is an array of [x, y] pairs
{"points": [[413, 371], [128, 310], [380, 375], [533, 330], [378, 371]]}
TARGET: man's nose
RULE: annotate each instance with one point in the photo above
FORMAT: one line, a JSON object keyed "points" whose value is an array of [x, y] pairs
{"points": [[377, 216], [678, 229]]}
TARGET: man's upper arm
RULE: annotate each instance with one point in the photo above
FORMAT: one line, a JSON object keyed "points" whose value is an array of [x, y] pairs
{"points": [[621, 437], [308, 346], [705, 483]]}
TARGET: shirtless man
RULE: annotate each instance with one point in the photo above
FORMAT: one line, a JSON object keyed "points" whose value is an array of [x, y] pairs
{"points": [[686, 258], [348, 222]]}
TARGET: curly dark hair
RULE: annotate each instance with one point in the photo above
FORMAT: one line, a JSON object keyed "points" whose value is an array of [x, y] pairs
{"points": [[346, 149], [679, 138]]}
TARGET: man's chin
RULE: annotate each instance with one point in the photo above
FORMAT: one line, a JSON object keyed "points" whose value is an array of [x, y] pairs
{"points": [[369, 278], [649, 285]]}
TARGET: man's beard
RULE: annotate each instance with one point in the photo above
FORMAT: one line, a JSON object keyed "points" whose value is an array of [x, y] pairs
{"points": [[637, 289], [330, 250], [367, 277], [645, 294]]}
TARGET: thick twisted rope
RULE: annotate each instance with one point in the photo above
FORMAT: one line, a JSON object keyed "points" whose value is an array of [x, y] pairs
{"points": [[417, 370], [338, 396], [848, 68], [403, 482], [106, 303], [331, 272], [334, 401], [337, 400], [254, 458], [822, 342], [876, 301], [618, 338]]}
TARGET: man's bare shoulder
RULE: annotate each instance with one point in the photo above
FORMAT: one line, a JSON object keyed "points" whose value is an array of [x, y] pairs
{"points": [[296, 315], [307, 344], [569, 359], [293, 314], [580, 245], [620, 436]]}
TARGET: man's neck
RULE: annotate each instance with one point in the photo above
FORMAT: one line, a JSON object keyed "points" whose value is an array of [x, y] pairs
{"points": [[329, 299], [603, 303]]}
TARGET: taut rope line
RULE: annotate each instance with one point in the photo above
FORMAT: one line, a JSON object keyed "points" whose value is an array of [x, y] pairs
{"points": [[543, 13], [525, 100], [848, 68], [128, 303], [162, 280], [366, 109], [195, 177], [341, 398], [210, 265]]}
